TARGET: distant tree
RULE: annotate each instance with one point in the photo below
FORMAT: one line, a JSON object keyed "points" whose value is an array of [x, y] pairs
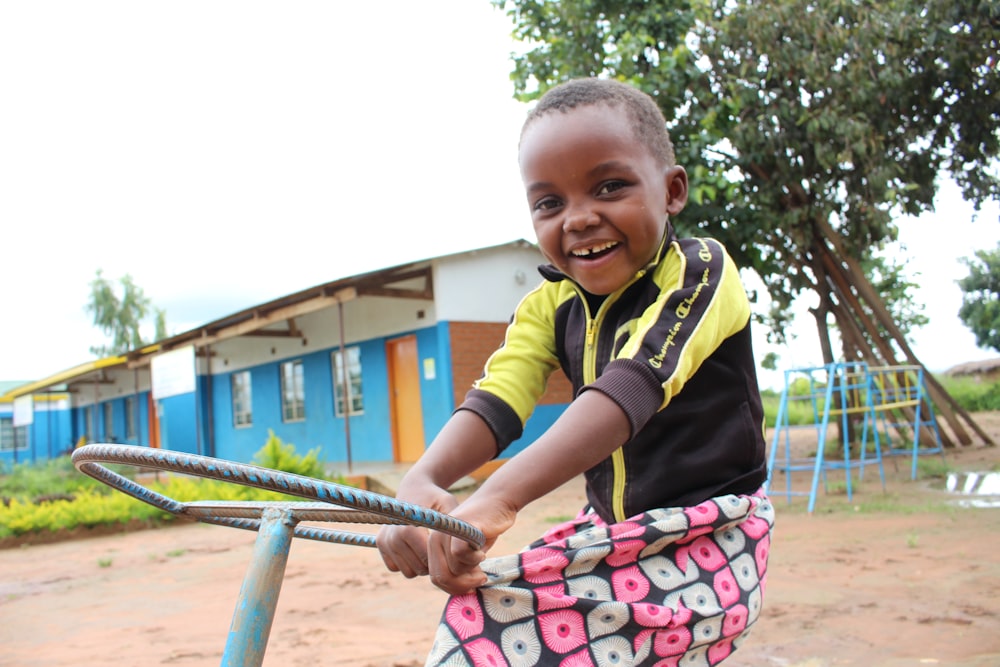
{"points": [[770, 361], [980, 310], [119, 314]]}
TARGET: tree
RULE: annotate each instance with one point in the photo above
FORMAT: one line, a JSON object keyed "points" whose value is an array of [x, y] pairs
{"points": [[121, 315], [980, 310], [807, 126], [791, 112], [841, 115]]}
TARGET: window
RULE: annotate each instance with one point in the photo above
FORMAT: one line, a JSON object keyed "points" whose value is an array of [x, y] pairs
{"points": [[88, 425], [242, 403], [130, 417], [354, 381], [293, 392], [109, 422], [11, 437]]}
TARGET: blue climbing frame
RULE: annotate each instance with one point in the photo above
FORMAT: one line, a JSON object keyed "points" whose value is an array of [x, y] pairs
{"points": [[893, 397]]}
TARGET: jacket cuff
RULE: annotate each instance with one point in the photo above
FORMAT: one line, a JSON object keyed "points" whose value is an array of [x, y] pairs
{"points": [[500, 417], [634, 387]]}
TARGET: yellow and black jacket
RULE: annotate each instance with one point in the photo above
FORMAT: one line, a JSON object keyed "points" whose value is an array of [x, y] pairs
{"points": [[672, 348]]}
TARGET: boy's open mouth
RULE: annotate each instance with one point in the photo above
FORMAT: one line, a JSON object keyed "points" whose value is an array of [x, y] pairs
{"points": [[595, 251]]}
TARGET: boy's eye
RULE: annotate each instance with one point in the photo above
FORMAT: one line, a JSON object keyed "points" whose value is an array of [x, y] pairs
{"points": [[608, 187], [546, 203]]}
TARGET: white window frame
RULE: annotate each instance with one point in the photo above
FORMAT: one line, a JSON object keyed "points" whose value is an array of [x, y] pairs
{"points": [[354, 373], [241, 384], [88, 423], [130, 419], [10, 434], [293, 391], [109, 421]]}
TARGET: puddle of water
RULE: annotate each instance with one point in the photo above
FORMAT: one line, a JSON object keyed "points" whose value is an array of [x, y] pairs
{"points": [[979, 489]]}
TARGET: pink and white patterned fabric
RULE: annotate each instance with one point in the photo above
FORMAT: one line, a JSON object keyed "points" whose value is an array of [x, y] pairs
{"points": [[669, 587]]}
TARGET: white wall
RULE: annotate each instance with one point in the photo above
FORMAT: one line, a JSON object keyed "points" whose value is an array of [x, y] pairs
{"points": [[364, 318], [485, 285], [123, 382]]}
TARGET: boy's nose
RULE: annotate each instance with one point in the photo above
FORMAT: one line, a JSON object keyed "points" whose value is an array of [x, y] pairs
{"points": [[579, 218]]}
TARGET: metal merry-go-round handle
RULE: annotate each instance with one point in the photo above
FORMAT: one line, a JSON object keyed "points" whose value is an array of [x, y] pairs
{"points": [[338, 503], [276, 523]]}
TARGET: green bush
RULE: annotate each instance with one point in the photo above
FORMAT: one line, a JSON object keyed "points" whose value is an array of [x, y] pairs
{"points": [[277, 455], [55, 476], [89, 508], [53, 496]]}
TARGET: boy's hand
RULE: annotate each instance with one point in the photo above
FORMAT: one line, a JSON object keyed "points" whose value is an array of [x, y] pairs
{"points": [[404, 548], [453, 564]]}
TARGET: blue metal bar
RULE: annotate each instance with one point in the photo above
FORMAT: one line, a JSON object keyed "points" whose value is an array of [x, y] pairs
{"points": [[276, 524], [88, 458], [251, 626]]}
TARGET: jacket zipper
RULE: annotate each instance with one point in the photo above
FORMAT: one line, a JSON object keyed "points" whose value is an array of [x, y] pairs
{"points": [[619, 472]]}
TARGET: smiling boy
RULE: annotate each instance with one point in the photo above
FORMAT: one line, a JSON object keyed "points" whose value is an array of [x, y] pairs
{"points": [[654, 333]]}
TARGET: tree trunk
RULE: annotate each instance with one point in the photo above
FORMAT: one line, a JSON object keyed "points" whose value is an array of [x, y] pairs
{"points": [[854, 292]]}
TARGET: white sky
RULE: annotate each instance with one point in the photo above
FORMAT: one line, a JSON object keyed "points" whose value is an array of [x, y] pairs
{"points": [[228, 153]]}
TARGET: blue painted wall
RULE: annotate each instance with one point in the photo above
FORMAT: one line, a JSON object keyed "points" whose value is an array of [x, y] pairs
{"points": [[48, 436], [117, 430], [184, 424], [179, 424], [370, 432], [436, 395]]}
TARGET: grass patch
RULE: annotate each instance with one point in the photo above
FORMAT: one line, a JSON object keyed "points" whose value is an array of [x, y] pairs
{"points": [[890, 503], [933, 468], [973, 395]]}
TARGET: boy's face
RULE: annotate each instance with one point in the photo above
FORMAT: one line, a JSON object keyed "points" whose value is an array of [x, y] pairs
{"points": [[599, 199]]}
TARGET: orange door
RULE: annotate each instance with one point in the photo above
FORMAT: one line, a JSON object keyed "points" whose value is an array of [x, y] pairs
{"points": [[404, 399], [154, 422]]}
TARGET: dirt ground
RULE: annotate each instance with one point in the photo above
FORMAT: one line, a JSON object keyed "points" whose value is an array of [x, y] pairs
{"points": [[858, 582]]}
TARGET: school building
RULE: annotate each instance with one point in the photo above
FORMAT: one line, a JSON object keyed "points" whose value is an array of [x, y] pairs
{"points": [[366, 368]]}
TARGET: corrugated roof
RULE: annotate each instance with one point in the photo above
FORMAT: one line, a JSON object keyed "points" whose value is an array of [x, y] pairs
{"points": [[63, 376]]}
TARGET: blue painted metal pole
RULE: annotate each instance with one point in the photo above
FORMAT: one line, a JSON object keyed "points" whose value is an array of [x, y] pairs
{"points": [[258, 599]]}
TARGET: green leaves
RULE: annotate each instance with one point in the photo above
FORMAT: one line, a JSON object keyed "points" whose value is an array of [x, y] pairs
{"points": [[980, 310], [119, 315], [278, 455], [790, 112]]}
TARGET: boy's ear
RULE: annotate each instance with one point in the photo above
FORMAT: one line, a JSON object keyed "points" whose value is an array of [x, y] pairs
{"points": [[677, 189]]}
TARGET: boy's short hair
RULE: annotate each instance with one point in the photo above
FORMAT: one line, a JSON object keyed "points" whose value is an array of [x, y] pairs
{"points": [[648, 122]]}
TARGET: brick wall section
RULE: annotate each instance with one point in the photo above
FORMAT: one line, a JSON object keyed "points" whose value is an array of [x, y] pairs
{"points": [[471, 345]]}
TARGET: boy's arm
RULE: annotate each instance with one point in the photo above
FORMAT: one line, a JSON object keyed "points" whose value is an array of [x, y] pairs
{"points": [[591, 428], [464, 444], [588, 431]]}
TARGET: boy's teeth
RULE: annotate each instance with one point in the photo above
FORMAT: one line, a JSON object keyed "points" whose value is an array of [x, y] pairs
{"points": [[583, 252]]}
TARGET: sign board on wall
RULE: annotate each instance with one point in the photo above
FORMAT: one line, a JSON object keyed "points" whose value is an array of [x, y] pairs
{"points": [[173, 372], [24, 410]]}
